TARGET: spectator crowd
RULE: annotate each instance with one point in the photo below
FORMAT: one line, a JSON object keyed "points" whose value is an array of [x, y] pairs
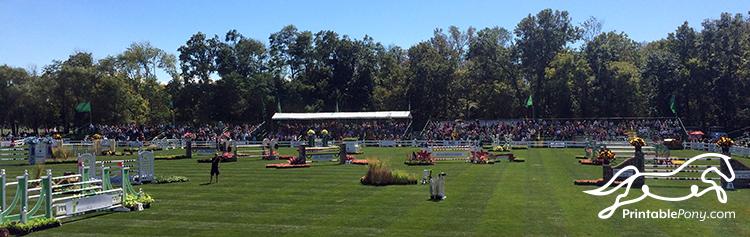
{"points": [[339, 129], [395, 129], [552, 129], [132, 132]]}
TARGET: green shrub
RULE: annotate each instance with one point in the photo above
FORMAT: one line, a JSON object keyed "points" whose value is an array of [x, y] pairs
{"points": [[130, 201], [17, 228], [145, 199], [170, 179]]}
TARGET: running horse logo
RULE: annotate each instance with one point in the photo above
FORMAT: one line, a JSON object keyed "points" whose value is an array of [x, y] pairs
{"points": [[695, 191]]}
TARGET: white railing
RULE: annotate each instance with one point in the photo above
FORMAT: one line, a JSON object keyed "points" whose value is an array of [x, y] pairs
{"points": [[712, 147], [172, 143]]}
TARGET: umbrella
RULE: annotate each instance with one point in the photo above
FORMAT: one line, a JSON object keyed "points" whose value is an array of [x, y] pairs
{"points": [[696, 133]]}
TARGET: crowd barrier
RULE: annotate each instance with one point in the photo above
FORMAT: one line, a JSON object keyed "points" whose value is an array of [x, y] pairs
{"points": [[712, 147], [84, 146]]}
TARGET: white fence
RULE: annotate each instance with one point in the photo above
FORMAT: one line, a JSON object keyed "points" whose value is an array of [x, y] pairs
{"points": [[179, 143], [711, 147]]}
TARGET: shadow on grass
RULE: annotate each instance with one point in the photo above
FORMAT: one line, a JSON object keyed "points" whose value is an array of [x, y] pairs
{"points": [[87, 216]]}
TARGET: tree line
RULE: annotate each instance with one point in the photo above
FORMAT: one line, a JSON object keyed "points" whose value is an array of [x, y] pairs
{"points": [[546, 67]]}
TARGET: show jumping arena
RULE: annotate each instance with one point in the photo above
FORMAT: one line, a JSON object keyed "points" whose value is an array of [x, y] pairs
{"points": [[535, 197]]}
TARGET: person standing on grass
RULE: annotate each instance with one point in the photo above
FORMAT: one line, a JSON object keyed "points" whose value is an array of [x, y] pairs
{"points": [[215, 169]]}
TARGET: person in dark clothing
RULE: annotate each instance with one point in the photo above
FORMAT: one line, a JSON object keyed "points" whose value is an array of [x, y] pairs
{"points": [[215, 168]]}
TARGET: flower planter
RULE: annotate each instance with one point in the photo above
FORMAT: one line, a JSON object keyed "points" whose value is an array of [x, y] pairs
{"points": [[137, 207]]}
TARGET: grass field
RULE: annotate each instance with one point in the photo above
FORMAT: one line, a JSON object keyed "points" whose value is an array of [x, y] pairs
{"points": [[533, 198]]}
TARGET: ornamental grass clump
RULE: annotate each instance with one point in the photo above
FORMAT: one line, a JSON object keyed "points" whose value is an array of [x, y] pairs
{"points": [[379, 174]]}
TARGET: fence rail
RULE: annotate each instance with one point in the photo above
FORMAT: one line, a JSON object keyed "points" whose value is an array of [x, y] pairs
{"points": [[181, 143]]}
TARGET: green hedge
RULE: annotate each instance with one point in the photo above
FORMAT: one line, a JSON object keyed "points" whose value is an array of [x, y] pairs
{"points": [[17, 228], [170, 179]]}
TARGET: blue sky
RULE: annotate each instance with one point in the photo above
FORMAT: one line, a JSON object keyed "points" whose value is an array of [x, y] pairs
{"points": [[33, 33]]}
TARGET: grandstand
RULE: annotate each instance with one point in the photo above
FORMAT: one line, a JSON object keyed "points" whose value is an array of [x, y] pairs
{"points": [[381, 125]]}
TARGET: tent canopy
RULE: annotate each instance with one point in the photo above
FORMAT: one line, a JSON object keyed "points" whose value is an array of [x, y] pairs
{"points": [[343, 115]]}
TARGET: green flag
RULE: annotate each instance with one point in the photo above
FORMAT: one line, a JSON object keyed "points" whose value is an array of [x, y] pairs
{"points": [[529, 102], [278, 104], [672, 105], [83, 107]]}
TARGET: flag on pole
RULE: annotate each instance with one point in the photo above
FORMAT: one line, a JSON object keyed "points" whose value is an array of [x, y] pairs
{"points": [[83, 107], [278, 105], [337, 106], [672, 105], [529, 102]]}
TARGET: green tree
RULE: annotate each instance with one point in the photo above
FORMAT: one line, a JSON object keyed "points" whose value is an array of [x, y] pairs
{"points": [[600, 53], [539, 38], [569, 82]]}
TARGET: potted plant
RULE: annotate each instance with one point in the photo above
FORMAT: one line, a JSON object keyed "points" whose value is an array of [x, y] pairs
{"points": [[637, 142], [146, 200], [605, 156], [131, 202], [725, 143]]}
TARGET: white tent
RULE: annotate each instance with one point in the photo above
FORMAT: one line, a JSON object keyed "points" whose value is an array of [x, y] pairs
{"points": [[343, 115]]}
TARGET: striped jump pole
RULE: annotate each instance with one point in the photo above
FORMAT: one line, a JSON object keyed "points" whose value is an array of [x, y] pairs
{"points": [[668, 171], [681, 159], [676, 166], [679, 178]]}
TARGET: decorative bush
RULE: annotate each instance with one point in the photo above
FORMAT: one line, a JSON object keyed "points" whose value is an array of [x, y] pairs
{"points": [[145, 199], [170, 179], [480, 157], [499, 149], [636, 141], [605, 156], [725, 142], [420, 158], [17, 228], [379, 174], [131, 201]]}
